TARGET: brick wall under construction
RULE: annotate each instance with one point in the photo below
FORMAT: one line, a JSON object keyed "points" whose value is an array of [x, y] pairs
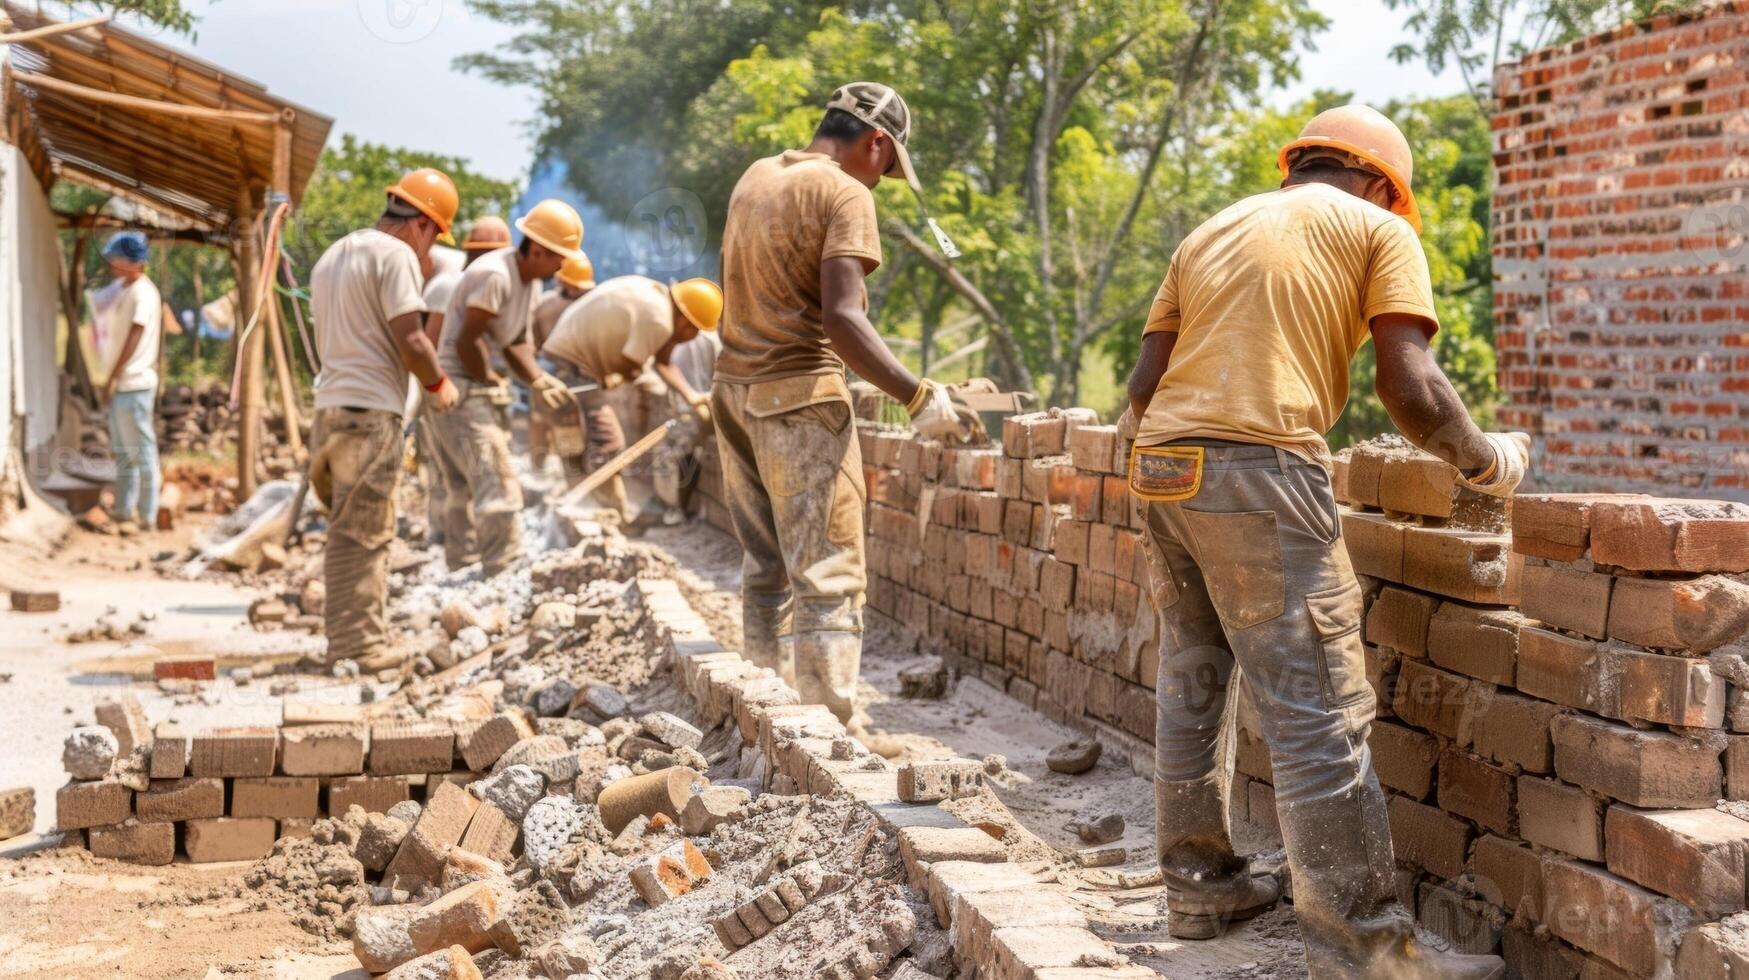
{"points": [[1620, 237], [1562, 698]]}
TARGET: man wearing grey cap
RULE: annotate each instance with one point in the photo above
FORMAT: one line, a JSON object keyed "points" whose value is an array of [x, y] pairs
{"points": [[800, 237]]}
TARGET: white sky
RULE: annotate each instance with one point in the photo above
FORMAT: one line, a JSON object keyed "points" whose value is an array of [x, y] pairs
{"points": [[381, 68]]}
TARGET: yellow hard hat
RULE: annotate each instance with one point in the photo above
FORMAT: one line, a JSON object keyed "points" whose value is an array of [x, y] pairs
{"points": [[578, 272], [432, 194], [701, 300], [556, 225], [486, 234], [1369, 135]]}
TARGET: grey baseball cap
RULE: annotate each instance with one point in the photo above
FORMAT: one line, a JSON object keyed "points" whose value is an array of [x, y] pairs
{"points": [[883, 108]]}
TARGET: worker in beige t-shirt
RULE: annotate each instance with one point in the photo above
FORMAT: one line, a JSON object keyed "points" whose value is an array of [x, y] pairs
{"points": [[576, 278], [800, 237], [489, 314], [1243, 369], [369, 323]]}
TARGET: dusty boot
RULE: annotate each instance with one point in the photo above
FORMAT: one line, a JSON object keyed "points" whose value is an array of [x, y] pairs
{"points": [[827, 663], [1207, 885], [765, 617]]}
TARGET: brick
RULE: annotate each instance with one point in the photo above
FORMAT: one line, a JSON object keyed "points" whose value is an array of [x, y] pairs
{"points": [[1566, 597], [481, 745], [947, 881], [410, 748], [234, 752], [440, 825], [229, 838], [276, 796], [1714, 951], [1670, 690], [17, 812], [491, 834], [923, 846], [1571, 671], [1023, 951], [463, 917], [1697, 615], [1361, 482], [928, 782], [127, 720], [1094, 447], [35, 600], [1737, 768], [1648, 769], [373, 793], [1531, 955], [1612, 918], [1033, 434], [1471, 566], [1698, 857], [1477, 642], [1375, 545], [92, 804], [185, 668], [1514, 731], [978, 915], [134, 842], [1556, 526], [1425, 485], [670, 873], [1440, 702], [453, 963], [169, 752], [1657, 535], [1475, 789], [1428, 837], [1403, 758], [176, 800], [1399, 619], [1560, 817], [322, 750], [1510, 875]]}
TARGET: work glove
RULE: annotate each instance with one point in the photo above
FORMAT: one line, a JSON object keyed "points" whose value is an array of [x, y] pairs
{"points": [[933, 414], [444, 398], [1511, 460], [554, 395], [701, 410]]}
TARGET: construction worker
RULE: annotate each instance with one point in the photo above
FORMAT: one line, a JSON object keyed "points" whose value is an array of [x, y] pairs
{"points": [[576, 278], [486, 234], [675, 462], [490, 314], [609, 336], [799, 239], [128, 327], [370, 332], [1243, 369]]}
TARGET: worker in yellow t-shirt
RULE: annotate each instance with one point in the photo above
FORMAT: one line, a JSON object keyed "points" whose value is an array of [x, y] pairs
{"points": [[1243, 369]]}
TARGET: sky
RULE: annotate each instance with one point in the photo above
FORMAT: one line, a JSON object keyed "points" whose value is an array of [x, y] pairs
{"points": [[382, 68]]}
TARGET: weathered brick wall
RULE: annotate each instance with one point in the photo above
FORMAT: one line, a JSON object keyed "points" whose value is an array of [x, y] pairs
{"points": [[1621, 302]]}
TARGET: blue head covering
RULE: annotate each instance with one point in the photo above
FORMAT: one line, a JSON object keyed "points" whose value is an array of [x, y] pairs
{"points": [[129, 245]]}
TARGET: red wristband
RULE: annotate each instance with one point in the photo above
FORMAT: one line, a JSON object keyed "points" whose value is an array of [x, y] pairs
{"points": [[433, 386]]}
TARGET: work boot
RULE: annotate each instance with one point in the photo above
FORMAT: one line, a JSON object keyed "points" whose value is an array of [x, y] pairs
{"points": [[827, 663], [1208, 887], [765, 618]]}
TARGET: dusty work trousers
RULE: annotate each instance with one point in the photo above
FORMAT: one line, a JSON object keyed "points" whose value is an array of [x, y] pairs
{"points": [[1252, 571], [792, 472], [425, 448], [355, 468], [603, 439], [482, 497]]}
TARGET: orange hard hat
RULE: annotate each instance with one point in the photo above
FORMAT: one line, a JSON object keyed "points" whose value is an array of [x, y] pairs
{"points": [[1369, 135], [486, 234], [701, 300], [434, 195], [578, 272], [556, 225]]}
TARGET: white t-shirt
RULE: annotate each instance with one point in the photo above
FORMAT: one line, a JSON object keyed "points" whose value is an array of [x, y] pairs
{"points": [[615, 329], [438, 291], [361, 283], [493, 283], [117, 307]]}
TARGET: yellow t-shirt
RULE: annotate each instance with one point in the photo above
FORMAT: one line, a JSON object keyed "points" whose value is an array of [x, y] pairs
{"points": [[787, 215], [1271, 298]]}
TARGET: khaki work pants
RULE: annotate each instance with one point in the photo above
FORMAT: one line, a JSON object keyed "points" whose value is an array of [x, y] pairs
{"points": [[425, 450], [1251, 572], [483, 499], [603, 439], [792, 472], [355, 468]]}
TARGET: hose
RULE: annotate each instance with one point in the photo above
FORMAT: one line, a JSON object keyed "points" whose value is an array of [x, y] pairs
{"points": [[297, 294], [263, 295]]}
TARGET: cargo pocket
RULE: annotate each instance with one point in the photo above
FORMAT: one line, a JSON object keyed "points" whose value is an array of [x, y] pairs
{"points": [[1335, 614], [1163, 588], [1241, 562]]}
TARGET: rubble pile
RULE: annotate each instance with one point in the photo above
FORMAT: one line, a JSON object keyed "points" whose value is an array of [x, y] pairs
{"points": [[191, 421]]}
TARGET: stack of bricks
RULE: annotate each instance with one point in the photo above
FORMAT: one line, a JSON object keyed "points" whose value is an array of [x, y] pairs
{"points": [[228, 794], [1022, 564], [1618, 248]]}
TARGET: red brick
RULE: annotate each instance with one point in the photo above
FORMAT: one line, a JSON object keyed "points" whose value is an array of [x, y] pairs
{"points": [[1094, 448], [1670, 690], [442, 824], [1476, 642], [193, 669], [1117, 501], [1510, 875], [1566, 597], [1698, 857], [1399, 619], [1671, 535], [1403, 758], [1438, 701], [1574, 672], [1514, 731], [229, 838], [1475, 789], [1428, 837], [1561, 817], [1612, 918], [1556, 526], [1468, 565], [1649, 769], [1375, 545], [1034, 434], [1696, 615], [276, 796]]}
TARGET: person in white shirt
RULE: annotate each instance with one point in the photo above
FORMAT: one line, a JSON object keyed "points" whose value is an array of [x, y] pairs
{"points": [[129, 322]]}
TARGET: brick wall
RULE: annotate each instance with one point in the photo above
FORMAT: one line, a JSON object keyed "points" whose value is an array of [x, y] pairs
{"points": [[1621, 301]]}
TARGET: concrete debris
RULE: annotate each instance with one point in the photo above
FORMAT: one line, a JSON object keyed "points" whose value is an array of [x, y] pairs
{"points": [[670, 873], [711, 807], [600, 703], [553, 698], [671, 730], [553, 616], [379, 839], [89, 751], [512, 790], [17, 811], [1074, 758], [547, 827]]}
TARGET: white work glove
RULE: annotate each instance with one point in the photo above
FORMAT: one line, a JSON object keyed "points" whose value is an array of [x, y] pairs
{"points": [[933, 414], [444, 398], [1511, 460], [554, 395]]}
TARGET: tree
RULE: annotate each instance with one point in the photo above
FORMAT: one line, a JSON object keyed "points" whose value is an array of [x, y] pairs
{"points": [[165, 13]]}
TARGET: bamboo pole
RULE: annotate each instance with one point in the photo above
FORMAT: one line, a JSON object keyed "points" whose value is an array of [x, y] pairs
{"points": [[199, 307], [49, 30], [246, 256], [35, 80], [288, 401]]}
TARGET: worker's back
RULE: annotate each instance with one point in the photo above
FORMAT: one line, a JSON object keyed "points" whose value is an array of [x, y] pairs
{"points": [[361, 282], [1271, 298]]}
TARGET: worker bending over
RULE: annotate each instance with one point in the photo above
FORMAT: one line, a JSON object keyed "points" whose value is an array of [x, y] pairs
{"points": [[490, 314], [800, 236], [609, 336], [1243, 369], [370, 333], [575, 278]]}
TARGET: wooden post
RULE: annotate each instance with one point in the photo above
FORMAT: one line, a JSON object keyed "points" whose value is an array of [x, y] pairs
{"points": [[73, 303], [288, 399], [199, 305], [246, 255]]}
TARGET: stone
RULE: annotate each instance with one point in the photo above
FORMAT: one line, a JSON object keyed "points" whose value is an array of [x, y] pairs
{"points": [[229, 838], [379, 936], [313, 597], [379, 839], [456, 615], [553, 698], [1076, 757], [89, 751], [600, 703], [930, 782], [134, 842], [17, 811], [322, 750], [570, 954], [553, 616], [463, 917], [711, 807], [1104, 830], [470, 641], [512, 790]]}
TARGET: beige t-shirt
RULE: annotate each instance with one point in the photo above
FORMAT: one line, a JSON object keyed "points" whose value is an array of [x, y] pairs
{"points": [[614, 330], [438, 291], [1271, 299], [118, 306], [493, 284], [358, 285], [546, 315], [787, 216]]}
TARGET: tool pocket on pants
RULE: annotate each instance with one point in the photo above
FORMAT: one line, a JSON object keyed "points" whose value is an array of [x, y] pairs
{"points": [[1335, 614], [803, 450], [1240, 558]]}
